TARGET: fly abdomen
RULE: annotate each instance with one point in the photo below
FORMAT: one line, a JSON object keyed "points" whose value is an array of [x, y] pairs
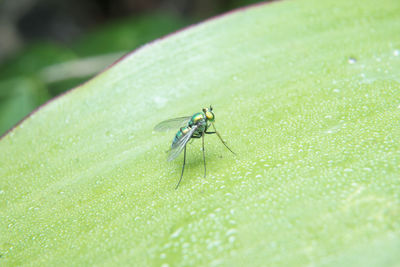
{"points": [[181, 133]]}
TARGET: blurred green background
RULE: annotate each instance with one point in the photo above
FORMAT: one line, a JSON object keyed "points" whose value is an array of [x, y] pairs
{"points": [[48, 47]]}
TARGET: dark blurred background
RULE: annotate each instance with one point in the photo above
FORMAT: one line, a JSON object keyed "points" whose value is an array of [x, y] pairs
{"points": [[50, 46]]}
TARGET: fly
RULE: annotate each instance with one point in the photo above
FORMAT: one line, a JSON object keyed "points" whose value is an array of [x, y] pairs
{"points": [[191, 127]]}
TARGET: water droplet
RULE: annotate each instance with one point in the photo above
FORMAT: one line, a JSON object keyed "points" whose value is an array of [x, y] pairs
{"points": [[176, 233], [352, 60], [231, 232], [213, 244], [160, 101]]}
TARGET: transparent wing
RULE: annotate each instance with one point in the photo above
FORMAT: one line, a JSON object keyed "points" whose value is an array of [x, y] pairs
{"points": [[172, 124], [177, 148]]}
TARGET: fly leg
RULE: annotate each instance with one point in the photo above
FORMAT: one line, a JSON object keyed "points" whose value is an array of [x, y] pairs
{"points": [[220, 138], [204, 155], [183, 167], [194, 137]]}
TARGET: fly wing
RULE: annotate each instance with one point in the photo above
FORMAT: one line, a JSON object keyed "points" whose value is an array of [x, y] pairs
{"points": [[172, 124], [177, 148]]}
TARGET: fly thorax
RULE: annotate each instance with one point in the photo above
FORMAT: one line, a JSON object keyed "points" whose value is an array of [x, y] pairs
{"points": [[201, 128], [196, 118]]}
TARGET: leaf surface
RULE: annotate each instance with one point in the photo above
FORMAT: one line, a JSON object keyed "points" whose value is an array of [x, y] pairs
{"points": [[305, 92]]}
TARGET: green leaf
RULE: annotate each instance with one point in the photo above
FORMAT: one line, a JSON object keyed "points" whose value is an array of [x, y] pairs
{"points": [[51, 69], [33, 58], [305, 92], [18, 97], [126, 34]]}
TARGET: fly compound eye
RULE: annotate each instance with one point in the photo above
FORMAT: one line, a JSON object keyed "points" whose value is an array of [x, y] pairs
{"points": [[210, 115]]}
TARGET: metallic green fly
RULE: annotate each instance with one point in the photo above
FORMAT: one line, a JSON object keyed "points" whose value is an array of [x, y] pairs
{"points": [[194, 126]]}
